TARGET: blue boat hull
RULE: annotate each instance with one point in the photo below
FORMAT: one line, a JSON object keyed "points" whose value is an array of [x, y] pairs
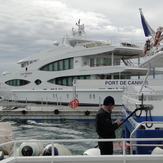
{"points": [[143, 132]]}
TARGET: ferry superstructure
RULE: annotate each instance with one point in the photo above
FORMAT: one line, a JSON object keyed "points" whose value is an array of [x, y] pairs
{"points": [[47, 77]]}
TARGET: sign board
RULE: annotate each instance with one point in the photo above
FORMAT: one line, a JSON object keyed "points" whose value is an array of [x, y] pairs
{"points": [[111, 83]]}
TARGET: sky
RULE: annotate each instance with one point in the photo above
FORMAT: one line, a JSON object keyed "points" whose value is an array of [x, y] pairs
{"points": [[30, 26]]}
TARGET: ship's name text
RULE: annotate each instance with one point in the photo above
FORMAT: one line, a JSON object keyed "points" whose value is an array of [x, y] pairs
{"points": [[125, 82]]}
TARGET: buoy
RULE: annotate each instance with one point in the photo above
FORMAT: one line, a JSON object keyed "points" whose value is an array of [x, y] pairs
{"points": [[58, 150], [48, 151], [31, 149], [87, 113], [1, 155], [92, 152], [157, 151], [24, 112], [56, 111]]}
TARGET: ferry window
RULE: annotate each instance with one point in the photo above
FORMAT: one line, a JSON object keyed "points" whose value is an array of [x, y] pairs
{"points": [[125, 77], [116, 76], [71, 63], [17, 82], [92, 62], [14, 82], [104, 61], [67, 81], [73, 43], [45, 68], [59, 65], [59, 81], [22, 65], [55, 66], [98, 61], [90, 96], [81, 77], [64, 81], [66, 64], [116, 61], [51, 67], [109, 61], [87, 77], [108, 77]]}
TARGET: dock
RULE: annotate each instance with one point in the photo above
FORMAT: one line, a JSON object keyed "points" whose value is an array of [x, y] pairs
{"points": [[50, 112]]}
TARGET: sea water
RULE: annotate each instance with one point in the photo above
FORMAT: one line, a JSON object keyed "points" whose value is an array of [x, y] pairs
{"points": [[51, 130], [61, 129]]}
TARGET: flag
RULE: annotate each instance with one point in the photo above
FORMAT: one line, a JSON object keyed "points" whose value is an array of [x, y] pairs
{"points": [[148, 31]]}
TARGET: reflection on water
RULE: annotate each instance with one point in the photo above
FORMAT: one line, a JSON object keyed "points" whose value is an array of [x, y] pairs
{"points": [[59, 130]]}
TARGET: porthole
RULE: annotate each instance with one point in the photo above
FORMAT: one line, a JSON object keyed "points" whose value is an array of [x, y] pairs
{"points": [[38, 82]]}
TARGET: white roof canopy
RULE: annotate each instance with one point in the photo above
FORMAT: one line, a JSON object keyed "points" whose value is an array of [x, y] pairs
{"points": [[156, 61]]}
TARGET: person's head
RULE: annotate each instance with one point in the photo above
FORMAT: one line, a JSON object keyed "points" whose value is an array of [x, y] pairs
{"points": [[109, 103]]}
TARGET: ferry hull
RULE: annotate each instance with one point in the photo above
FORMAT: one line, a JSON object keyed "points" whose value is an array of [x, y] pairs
{"points": [[146, 130]]}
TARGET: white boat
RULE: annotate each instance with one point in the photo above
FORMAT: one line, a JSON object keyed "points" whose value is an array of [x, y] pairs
{"points": [[48, 77], [87, 157], [146, 102], [51, 151]]}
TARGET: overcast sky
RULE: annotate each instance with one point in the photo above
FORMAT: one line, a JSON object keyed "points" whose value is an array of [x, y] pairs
{"points": [[31, 26]]}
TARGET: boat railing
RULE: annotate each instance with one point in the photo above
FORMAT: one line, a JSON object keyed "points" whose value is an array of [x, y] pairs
{"points": [[131, 95], [123, 62], [138, 127], [123, 157], [148, 95], [127, 43]]}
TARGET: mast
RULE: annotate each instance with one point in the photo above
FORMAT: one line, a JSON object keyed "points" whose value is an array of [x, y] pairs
{"points": [[80, 30]]}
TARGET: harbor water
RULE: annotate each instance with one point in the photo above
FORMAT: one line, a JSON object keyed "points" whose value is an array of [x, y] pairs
{"points": [[59, 129], [51, 130]]}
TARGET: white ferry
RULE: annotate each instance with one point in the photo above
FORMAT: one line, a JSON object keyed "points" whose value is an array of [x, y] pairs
{"points": [[47, 77], [146, 101]]}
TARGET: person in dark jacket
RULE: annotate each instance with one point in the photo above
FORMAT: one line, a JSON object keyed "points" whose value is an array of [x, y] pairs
{"points": [[104, 126]]}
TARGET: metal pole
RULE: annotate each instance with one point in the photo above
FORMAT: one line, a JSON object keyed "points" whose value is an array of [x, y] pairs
{"points": [[145, 78]]}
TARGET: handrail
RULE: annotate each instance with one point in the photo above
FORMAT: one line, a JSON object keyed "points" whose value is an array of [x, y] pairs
{"points": [[137, 127], [123, 140], [124, 157]]}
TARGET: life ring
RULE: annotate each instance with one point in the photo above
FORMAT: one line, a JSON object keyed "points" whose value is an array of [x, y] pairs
{"points": [[74, 103], [158, 34]]}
